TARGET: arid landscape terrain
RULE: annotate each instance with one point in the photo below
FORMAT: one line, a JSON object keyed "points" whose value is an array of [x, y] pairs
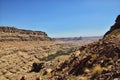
{"points": [[19, 49], [32, 55]]}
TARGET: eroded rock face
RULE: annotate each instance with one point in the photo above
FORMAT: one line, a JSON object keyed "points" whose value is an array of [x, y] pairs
{"points": [[14, 34]]}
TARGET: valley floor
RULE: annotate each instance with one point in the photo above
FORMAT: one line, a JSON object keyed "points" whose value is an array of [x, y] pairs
{"points": [[17, 57]]}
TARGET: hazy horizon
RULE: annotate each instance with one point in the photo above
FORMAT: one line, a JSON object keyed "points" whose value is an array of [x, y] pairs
{"points": [[60, 18]]}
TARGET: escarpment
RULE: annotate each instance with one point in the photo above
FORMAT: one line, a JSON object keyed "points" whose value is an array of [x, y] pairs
{"points": [[14, 34]]}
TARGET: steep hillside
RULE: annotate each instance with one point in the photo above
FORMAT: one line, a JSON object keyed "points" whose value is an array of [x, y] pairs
{"points": [[14, 34], [99, 60]]}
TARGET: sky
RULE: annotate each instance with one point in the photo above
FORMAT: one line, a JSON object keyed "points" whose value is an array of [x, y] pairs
{"points": [[60, 18]]}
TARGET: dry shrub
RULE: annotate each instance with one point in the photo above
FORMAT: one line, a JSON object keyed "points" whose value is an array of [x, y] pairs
{"points": [[97, 70], [87, 70], [82, 78], [94, 56]]}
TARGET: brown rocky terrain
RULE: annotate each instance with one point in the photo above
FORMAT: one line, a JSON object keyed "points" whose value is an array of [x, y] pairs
{"points": [[17, 57], [99, 60], [14, 34]]}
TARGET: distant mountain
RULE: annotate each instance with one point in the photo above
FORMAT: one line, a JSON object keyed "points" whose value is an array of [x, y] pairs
{"points": [[77, 38], [14, 34], [67, 39]]}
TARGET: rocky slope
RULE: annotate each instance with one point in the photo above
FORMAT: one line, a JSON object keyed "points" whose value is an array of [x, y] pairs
{"points": [[14, 34], [99, 60]]}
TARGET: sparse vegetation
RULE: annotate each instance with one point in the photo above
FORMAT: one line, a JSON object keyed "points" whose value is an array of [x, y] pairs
{"points": [[82, 78], [94, 56], [72, 77], [87, 70], [58, 53], [18, 57], [97, 70]]}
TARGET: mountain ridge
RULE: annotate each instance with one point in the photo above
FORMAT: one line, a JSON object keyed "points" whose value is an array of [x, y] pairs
{"points": [[15, 34]]}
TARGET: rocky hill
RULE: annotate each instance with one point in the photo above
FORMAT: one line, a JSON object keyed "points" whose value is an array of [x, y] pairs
{"points": [[99, 60], [14, 34]]}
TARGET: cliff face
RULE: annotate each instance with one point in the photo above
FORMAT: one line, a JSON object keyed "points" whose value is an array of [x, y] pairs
{"points": [[14, 34]]}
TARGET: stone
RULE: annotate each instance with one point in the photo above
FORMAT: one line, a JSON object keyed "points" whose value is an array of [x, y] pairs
{"points": [[36, 67]]}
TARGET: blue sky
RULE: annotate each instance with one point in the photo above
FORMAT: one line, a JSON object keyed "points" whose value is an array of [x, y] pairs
{"points": [[60, 18]]}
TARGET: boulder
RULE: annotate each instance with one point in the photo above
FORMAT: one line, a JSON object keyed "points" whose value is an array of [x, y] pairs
{"points": [[36, 67]]}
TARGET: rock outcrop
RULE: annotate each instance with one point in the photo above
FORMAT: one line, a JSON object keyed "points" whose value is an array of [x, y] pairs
{"points": [[115, 29], [14, 34]]}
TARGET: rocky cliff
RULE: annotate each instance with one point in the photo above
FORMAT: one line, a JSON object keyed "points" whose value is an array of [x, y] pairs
{"points": [[14, 34]]}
